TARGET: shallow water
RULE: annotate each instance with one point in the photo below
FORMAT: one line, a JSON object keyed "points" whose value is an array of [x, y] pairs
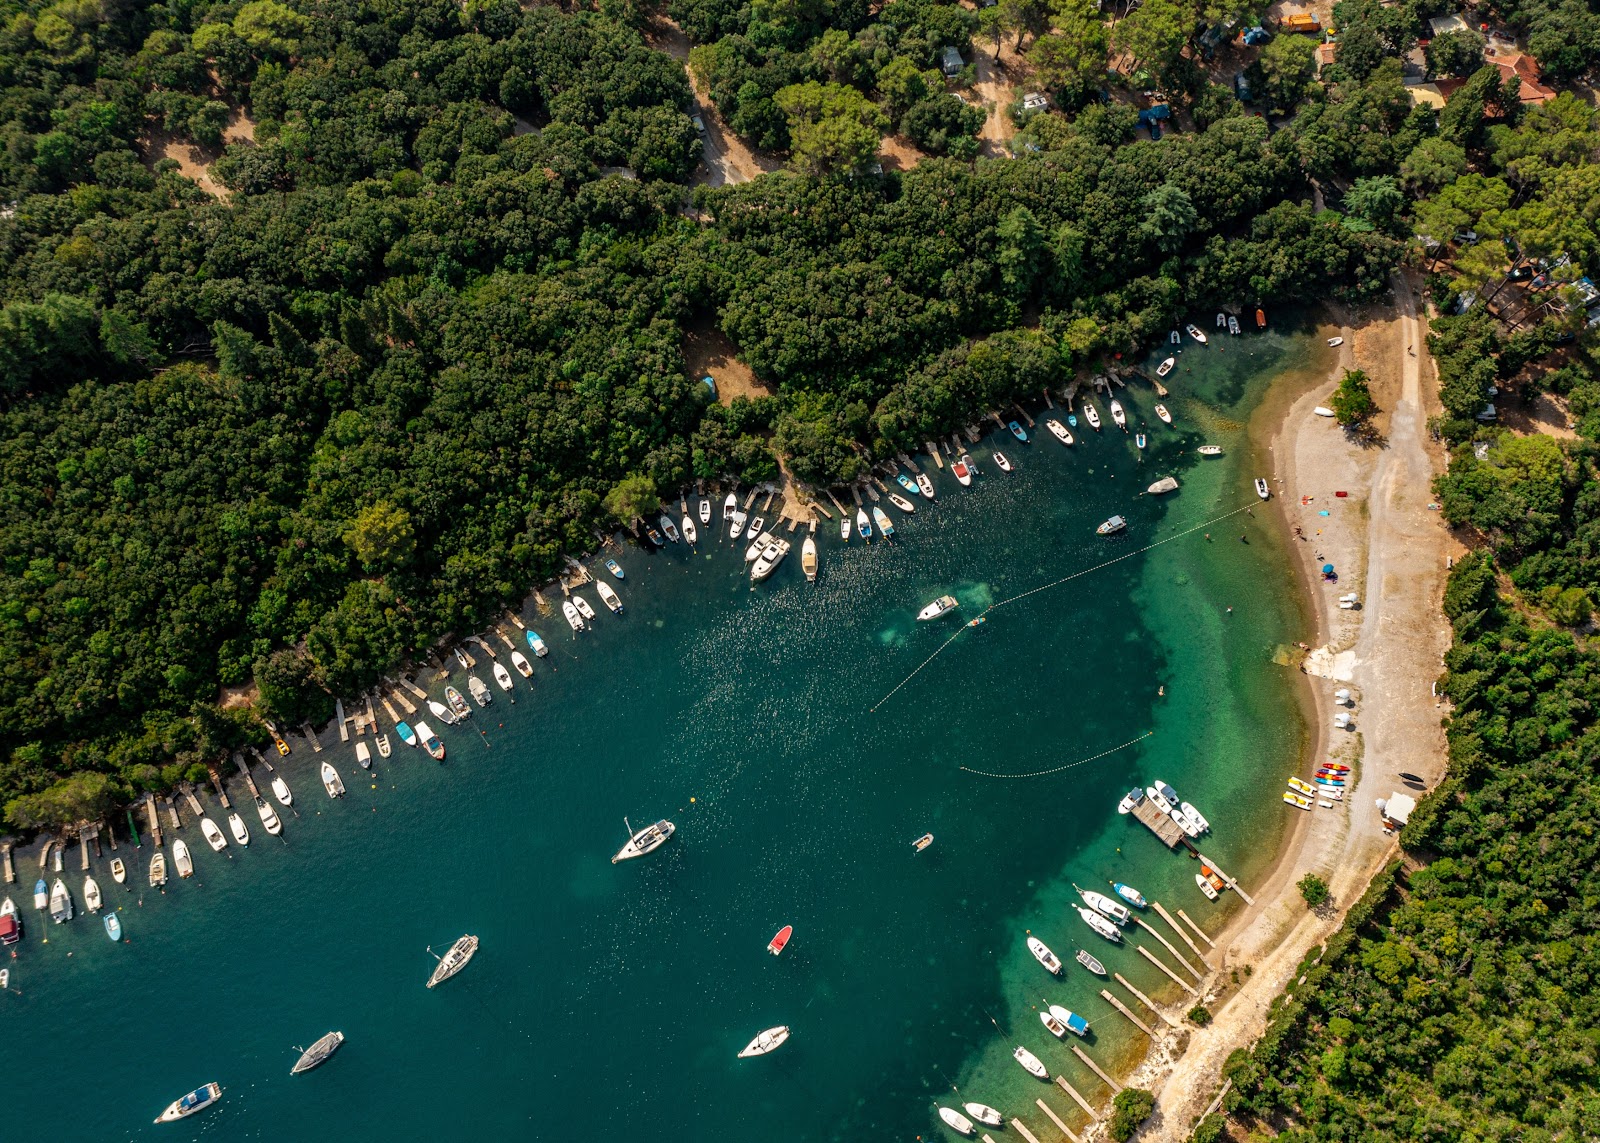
{"points": [[611, 999]]}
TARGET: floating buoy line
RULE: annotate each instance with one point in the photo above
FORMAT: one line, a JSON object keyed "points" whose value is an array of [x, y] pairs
{"points": [[1046, 587], [1068, 766]]}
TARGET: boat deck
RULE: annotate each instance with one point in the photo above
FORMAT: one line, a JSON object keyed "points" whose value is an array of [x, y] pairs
{"points": [[1159, 824]]}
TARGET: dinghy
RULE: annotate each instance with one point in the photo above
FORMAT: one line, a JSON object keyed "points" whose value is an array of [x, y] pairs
{"points": [[1175, 338], [213, 835], [1139, 440], [269, 817], [1262, 490], [91, 894], [925, 484], [670, 529], [1233, 325], [1335, 342], [1016, 431], [966, 459], [705, 510], [1161, 412], [503, 676], [430, 743], [158, 870], [767, 1041], [615, 569], [1222, 321], [940, 606], [1030, 1061], [363, 756], [1041, 953], [536, 644], [237, 828], [182, 859], [1164, 485], [808, 559], [1089, 962], [1052, 1025], [1000, 459], [984, 1114], [863, 525], [1092, 415], [690, 533], [902, 503], [280, 790], [335, 784], [844, 528], [962, 473], [1166, 366], [113, 927], [1119, 417], [1261, 319], [1059, 431], [1100, 925], [922, 842], [956, 1121], [119, 870], [382, 743], [1209, 450], [1195, 332]]}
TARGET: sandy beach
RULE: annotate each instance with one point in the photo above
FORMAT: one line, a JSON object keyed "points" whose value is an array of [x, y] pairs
{"points": [[1393, 552]]}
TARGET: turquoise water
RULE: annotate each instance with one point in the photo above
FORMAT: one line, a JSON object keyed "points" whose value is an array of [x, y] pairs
{"points": [[612, 999]]}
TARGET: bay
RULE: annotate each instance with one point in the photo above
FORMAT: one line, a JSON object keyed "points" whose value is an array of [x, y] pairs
{"points": [[612, 999]]}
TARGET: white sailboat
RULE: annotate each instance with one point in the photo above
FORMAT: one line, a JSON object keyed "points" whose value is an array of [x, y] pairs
{"points": [[766, 1041], [647, 840]]}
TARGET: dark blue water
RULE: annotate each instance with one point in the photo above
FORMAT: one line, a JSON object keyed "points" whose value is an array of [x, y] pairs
{"points": [[611, 1000]]}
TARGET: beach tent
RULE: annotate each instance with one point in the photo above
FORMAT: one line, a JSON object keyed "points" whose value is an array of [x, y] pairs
{"points": [[1398, 807]]}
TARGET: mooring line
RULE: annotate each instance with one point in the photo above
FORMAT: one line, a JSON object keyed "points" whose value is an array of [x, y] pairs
{"points": [[1046, 587], [1068, 766]]}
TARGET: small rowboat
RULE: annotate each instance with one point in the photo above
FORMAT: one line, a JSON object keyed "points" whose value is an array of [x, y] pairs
{"points": [[382, 743], [1261, 319], [1000, 459], [670, 529], [924, 483], [1209, 450], [1030, 1061], [777, 943], [119, 870], [1016, 431], [922, 842], [1092, 415], [1066, 1019], [1166, 366], [1090, 962], [1161, 411], [901, 503], [615, 569], [844, 528]]}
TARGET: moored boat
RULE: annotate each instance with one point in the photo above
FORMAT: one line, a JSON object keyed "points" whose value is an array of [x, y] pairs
{"points": [[1111, 527], [646, 840], [1209, 889], [615, 569], [318, 1053], [938, 607], [479, 690], [863, 525], [691, 534], [780, 939], [1066, 1019], [41, 894], [670, 529], [1132, 798], [962, 473], [1166, 366], [922, 842], [1222, 321], [1195, 332], [1058, 430], [158, 870], [1233, 325], [1100, 924], [1164, 485], [61, 909], [461, 657], [609, 597], [925, 484], [113, 927], [443, 713], [237, 828], [502, 676], [1119, 416], [182, 859], [458, 705], [907, 483], [1091, 962], [1105, 906], [280, 790], [1129, 894], [363, 755], [455, 960], [738, 519], [536, 644], [119, 870], [705, 509], [382, 743], [1092, 415], [1261, 319], [881, 519], [754, 549], [1041, 953], [730, 506], [520, 662], [1139, 440], [1261, 489], [808, 559], [91, 895], [1195, 816], [10, 923], [957, 1122], [430, 742], [1003, 463], [770, 559], [213, 835], [1016, 431], [197, 1100], [574, 620], [766, 1041], [844, 528], [902, 503], [583, 606], [1030, 1061], [984, 1114], [972, 467], [1181, 820], [268, 816], [654, 536], [331, 780], [1161, 412], [1209, 450]]}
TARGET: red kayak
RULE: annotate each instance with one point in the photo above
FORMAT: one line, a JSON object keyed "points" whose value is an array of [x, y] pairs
{"points": [[1335, 766], [775, 945]]}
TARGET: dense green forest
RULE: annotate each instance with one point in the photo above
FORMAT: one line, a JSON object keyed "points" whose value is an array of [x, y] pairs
{"points": [[430, 336]]}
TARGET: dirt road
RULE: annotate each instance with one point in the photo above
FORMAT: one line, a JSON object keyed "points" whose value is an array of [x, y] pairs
{"points": [[727, 159]]}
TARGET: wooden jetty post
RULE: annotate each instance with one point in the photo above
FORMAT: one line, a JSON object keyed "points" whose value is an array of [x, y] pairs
{"points": [[1061, 1082], [338, 711], [1022, 1130], [1176, 979], [1145, 1000], [1178, 956], [1169, 831], [1232, 884], [1177, 928], [155, 822], [1056, 1119], [1128, 1012], [1198, 931], [1095, 1068]]}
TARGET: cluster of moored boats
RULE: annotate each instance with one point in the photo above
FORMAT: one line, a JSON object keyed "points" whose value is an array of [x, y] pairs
{"points": [[1190, 820]]}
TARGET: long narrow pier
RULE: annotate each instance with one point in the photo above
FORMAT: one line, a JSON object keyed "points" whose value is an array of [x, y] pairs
{"points": [[311, 736], [1128, 1012], [222, 793], [155, 822], [1176, 979], [83, 851], [1056, 1119], [248, 780], [1177, 928], [1145, 1000], [1022, 1130], [172, 812], [1061, 1082], [1095, 1068], [1232, 884], [194, 802], [1149, 928], [1198, 931], [406, 704], [418, 691], [338, 710], [11, 870]]}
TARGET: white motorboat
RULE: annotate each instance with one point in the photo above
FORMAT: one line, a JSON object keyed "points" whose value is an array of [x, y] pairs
{"points": [[520, 662], [574, 620], [61, 909], [158, 870], [1100, 924], [808, 559], [863, 525], [503, 676], [1196, 817], [430, 743], [364, 755], [1165, 484], [1052, 1025], [1104, 905], [1335, 342], [1181, 820], [1162, 796], [1030, 1061], [1209, 450], [962, 473], [844, 528], [213, 835], [938, 607], [738, 524], [182, 859], [91, 895], [769, 1040], [984, 1114], [1323, 411], [268, 816], [583, 606], [197, 1100], [902, 503], [770, 559], [280, 790], [335, 784], [1132, 798], [455, 960], [925, 484], [1111, 527], [646, 840], [1041, 953], [1161, 411], [237, 828], [755, 528], [754, 549], [1195, 332], [382, 743], [705, 509], [1058, 430], [1004, 464], [1118, 416], [1166, 366], [669, 528], [690, 533], [1262, 490], [1092, 415], [730, 506], [443, 713], [1209, 889], [119, 870], [1070, 1020], [956, 1121]]}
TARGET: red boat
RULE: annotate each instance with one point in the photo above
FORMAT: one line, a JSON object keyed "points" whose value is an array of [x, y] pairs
{"points": [[775, 945], [1261, 319]]}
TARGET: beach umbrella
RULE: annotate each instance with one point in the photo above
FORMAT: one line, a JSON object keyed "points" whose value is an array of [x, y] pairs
{"points": [[1327, 569]]}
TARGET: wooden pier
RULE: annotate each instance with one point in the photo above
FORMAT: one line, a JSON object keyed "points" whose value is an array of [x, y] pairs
{"points": [[933, 451], [310, 733], [1095, 1068], [338, 711], [172, 812], [222, 793], [1177, 928], [1056, 1119], [1022, 1130], [44, 854], [248, 780], [1232, 884], [1198, 931], [194, 802], [11, 870], [1023, 413], [1158, 823], [1178, 956], [1128, 1012], [1145, 1000], [405, 704], [504, 638], [418, 691], [155, 822], [1176, 979], [482, 642], [1061, 1082], [83, 851]]}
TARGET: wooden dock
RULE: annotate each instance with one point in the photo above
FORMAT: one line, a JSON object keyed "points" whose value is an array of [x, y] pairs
{"points": [[338, 712], [1061, 1082], [405, 704], [11, 870], [1095, 1068], [155, 822], [933, 451], [418, 691], [1198, 931], [1232, 884], [222, 793], [1128, 1012], [1178, 956], [172, 812], [248, 780], [310, 733], [1022, 1130], [1176, 979], [1056, 1119], [1158, 823], [1177, 928], [83, 851], [1145, 1000], [194, 802]]}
